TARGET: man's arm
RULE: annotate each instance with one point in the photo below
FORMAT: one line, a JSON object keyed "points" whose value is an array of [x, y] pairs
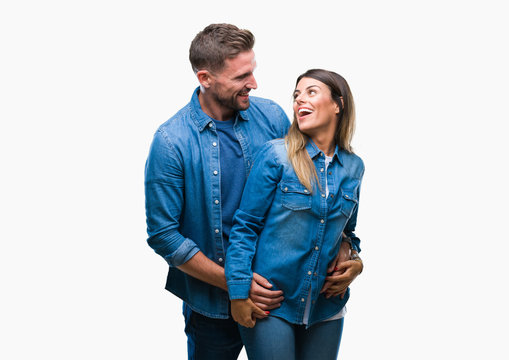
{"points": [[204, 269]]}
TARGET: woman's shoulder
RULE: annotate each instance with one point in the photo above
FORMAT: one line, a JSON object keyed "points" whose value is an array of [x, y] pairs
{"points": [[352, 161], [272, 151]]}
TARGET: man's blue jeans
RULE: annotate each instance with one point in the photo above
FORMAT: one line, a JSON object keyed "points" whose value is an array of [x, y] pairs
{"points": [[275, 338], [211, 339]]}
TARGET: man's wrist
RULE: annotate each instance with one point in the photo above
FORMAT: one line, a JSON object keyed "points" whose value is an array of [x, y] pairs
{"points": [[348, 241], [355, 256]]}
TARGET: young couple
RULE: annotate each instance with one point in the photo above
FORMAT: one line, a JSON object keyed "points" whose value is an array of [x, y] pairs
{"points": [[245, 206]]}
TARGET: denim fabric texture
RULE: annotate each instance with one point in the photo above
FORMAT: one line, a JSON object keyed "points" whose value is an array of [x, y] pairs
{"points": [[289, 235], [273, 338], [211, 339], [183, 191]]}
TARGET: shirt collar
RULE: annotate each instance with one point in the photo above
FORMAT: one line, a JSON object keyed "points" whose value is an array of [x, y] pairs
{"points": [[201, 119], [314, 151]]}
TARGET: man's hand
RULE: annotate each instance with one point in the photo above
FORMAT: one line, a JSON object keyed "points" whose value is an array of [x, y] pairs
{"points": [[245, 312], [261, 296], [338, 282], [343, 255]]}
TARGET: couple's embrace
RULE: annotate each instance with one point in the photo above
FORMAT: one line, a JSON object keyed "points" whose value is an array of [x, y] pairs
{"points": [[248, 208]]}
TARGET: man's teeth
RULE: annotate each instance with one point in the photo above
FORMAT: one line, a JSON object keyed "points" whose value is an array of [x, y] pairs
{"points": [[307, 111]]}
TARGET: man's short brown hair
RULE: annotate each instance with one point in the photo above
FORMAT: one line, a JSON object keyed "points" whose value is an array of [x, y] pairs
{"points": [[216, 43]]}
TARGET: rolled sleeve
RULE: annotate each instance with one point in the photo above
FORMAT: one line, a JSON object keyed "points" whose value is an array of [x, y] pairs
{"points": [[164, 199]]}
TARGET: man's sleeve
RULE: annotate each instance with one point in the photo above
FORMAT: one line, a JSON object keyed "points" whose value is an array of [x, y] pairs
{"points": [[283, 121], [164, 200]]}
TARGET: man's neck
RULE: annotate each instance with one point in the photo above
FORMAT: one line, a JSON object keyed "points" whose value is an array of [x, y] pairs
{"points": [[213, 109]]}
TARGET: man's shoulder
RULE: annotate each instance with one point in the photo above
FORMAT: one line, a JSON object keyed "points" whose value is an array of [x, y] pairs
{"points": [[178, 125], [268, 115], [180, 118]]}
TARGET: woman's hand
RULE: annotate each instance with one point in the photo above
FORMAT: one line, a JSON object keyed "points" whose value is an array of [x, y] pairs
{"points": [[337, 283], [245, 312]]}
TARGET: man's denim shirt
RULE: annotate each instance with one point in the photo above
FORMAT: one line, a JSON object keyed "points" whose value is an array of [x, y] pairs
{"points": [[183, 191], [289, 235]]}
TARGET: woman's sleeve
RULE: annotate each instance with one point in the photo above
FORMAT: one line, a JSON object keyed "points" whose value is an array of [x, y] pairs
{"points": [[352, 222], [249, 219]]}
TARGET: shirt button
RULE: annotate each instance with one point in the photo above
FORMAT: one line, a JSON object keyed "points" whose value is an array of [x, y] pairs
{"points": [[220, 259], [323, 195], [330, 172], [214, 143], [216, 231], [216, 202], [321, 169], [302, 299], [286, 189], [346, 196], [309, 272], [215, 172], [331, 195], [210, 124], [321, 154], [322, 221], [316, 248], [305, 190]]}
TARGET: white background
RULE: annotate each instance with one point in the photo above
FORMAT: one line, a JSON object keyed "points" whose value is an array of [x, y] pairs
{"points": [[85, 84]]}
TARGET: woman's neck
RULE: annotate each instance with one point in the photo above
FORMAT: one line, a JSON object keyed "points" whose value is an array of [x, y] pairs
{"points": [[326, 144]]}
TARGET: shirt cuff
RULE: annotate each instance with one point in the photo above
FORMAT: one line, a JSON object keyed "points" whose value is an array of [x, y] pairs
{"points": [[239, 289], [183, 254], [356, 244]]}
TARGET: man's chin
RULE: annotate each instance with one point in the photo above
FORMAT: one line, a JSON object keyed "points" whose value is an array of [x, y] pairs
{"points": [[243, 105]]}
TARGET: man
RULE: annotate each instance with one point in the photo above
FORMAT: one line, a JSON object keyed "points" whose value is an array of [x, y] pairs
{"points": [[195, 173]]}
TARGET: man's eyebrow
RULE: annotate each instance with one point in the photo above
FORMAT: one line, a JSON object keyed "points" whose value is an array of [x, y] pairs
{"points": [[242, 76]]}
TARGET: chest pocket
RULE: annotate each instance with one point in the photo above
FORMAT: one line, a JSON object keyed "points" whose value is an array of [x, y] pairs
{"points": [[295, 196], [348, 202]]}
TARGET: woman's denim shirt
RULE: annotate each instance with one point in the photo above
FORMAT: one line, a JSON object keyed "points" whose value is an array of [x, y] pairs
{"points": [[289, 235], [183, 191]]}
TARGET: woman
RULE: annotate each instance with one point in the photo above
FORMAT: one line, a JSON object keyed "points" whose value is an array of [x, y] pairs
{"points": [[300, 201]]}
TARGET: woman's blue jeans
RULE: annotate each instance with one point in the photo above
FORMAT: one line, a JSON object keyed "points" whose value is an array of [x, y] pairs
{"points": [[275, 338]]}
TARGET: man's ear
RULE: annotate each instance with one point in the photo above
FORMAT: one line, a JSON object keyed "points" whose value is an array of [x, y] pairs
{"points": [[204, 77]]}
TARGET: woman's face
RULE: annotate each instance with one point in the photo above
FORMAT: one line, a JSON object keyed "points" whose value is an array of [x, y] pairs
{"points": [[314, 109]]}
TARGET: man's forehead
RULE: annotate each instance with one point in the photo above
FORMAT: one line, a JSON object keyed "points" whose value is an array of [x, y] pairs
{"points": [[243, 62]]}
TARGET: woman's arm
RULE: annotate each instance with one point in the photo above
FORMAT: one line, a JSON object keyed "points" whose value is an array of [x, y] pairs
{"points": [[248, 221]]}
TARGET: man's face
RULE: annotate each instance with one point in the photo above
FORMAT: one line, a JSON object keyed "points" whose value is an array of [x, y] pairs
{"points": [[231, 86]]}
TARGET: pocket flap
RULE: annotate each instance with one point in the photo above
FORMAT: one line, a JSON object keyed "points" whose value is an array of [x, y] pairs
{"points": [[293, 187]]}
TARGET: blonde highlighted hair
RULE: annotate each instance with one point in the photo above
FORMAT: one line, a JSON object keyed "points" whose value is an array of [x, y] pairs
{"points": [[296, 140]]}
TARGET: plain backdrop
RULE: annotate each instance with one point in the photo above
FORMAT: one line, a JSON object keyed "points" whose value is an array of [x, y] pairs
{"points": [[85, 84]]}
